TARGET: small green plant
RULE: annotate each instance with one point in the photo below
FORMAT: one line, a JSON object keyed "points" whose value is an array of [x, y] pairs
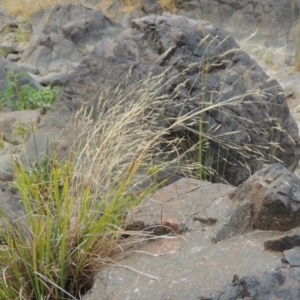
{"points": [[267, 57], [20, 130], [23, 97], [2, 53]]}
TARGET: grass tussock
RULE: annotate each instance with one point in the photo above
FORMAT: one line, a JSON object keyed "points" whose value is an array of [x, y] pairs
{"points": [[73, 210], [124, 148]]}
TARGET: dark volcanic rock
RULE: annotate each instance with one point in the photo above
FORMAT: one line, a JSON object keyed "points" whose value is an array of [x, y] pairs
{"points": [[198, 66], [282, 283], [274, 197], [284, 243]]}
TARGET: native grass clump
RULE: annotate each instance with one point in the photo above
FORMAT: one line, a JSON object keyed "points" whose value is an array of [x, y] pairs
{"points": [[73, 213], [73, 210]]}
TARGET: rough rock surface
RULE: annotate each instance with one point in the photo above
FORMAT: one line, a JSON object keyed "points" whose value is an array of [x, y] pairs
{"points": [[62, 35], [275, 195], [10, 206], [281, 283], [183, 260], [196, 54]]}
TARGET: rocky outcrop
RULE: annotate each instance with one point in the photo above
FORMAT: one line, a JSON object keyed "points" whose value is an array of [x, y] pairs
{"points": [[64, 34], [183, 259], [198, 67]]}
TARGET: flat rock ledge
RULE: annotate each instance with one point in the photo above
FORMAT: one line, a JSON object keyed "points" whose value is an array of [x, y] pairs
{"points": [[212, 241]]}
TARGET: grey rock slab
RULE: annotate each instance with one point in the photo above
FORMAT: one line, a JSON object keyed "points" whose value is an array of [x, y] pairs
{"points": [[185, 267], [55, 53], [41, 58], [27, 67], [180, 205], [185, 262]]}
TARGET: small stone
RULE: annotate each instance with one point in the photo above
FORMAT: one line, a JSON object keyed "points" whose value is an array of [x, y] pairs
{"points": [[7, 48], [292, 257], [13, 57]]}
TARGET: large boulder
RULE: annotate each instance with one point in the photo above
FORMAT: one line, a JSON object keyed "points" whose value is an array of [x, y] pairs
{"points": [[200, 73]]}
